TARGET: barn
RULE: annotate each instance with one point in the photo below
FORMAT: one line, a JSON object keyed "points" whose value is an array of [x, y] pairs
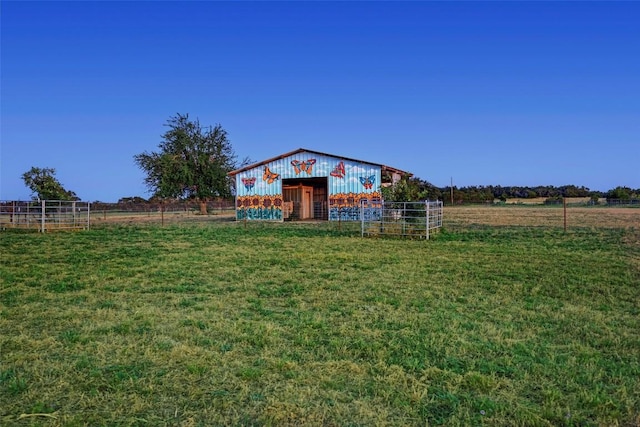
{"points": [[309, 185]]}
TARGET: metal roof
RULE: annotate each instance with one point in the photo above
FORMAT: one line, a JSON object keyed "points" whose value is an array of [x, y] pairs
{"points": [[299, 150]]}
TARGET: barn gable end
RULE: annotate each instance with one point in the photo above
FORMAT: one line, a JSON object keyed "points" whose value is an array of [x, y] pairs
{"points": [[307, 185]]}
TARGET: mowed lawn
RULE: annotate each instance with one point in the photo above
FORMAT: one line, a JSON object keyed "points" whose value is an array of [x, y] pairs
{"points": [[310, 324]]}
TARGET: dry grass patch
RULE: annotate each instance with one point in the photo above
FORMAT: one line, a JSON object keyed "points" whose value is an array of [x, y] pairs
{"points": [[536, 216]]}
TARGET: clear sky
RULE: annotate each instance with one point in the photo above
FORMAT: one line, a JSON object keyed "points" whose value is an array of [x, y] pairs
{"points": [[486, 93]]}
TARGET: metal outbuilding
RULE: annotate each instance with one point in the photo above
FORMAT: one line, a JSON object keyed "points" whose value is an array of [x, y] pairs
{"points": [[309, 185]]}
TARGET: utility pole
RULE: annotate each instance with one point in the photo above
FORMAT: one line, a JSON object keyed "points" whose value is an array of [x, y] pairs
{"points": [[451, 191], [564, 208]]}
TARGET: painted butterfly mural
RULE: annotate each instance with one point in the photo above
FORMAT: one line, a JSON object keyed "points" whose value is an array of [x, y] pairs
{"points": [[249, 183], [269, 176], [338, 171], [303, 166], [367, 182]]}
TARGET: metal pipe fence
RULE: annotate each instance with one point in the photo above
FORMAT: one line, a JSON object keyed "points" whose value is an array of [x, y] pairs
{"points": [[49, 215], [45, 215], [406, 219]]}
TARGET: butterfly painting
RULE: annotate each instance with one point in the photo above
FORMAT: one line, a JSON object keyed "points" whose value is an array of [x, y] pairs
{"points": [[367, 182], [338, 171], [303, 166], [269, 176], [249, 183]]}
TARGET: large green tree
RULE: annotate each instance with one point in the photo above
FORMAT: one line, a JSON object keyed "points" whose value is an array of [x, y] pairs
{"points": [[45, 186], [192, 162]]}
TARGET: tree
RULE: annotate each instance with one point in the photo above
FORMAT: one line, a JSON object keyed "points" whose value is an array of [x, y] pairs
{"points": [[192, 162], [45, 186], [427, 191], [620, 193], [134, 200], [401, 191]]}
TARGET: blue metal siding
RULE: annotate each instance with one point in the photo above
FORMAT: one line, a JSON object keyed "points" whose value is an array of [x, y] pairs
{"points": [[352, 182], [347, 180]]}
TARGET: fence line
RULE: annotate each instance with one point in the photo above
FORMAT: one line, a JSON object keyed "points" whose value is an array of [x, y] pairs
{"points": [[61, 215], [548, 201], [159, 212], [45, 215], [166, 206]]}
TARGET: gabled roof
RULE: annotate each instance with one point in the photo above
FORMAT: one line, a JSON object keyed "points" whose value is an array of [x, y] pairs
{"points": [[300, 150]]}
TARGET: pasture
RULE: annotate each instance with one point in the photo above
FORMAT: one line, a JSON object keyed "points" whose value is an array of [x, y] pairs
{"points": [[501, 319]]}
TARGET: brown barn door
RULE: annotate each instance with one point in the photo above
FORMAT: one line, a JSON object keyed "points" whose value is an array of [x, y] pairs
{"points": [[308, 203]]}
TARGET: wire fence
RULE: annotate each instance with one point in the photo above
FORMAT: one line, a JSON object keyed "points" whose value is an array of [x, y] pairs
{"points": [[546, 201], [162, 212], [622, 202]]}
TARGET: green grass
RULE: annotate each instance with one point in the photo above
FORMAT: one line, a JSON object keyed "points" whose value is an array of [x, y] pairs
{"points": [[286, 324]]}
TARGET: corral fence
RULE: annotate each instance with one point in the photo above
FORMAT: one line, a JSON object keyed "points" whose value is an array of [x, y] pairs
{"points": [[406, 219], [45, 215]]}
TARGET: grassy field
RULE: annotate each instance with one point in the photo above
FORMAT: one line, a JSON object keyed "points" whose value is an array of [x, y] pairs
{"points": [[489, 323]]}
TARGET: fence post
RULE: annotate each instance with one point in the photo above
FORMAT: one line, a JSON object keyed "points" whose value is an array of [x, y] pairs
{"points": [[404, 218], [43, 205], [362, 202], [427, 219]]}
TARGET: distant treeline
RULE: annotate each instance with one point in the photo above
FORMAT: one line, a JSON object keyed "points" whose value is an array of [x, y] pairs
{"points": [[418, 189]]}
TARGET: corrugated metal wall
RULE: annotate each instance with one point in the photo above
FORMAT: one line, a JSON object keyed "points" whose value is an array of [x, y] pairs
{"points": [[259, 190]]}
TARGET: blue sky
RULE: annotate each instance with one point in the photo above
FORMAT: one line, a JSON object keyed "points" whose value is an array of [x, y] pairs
{"points": [[486, 93]]}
